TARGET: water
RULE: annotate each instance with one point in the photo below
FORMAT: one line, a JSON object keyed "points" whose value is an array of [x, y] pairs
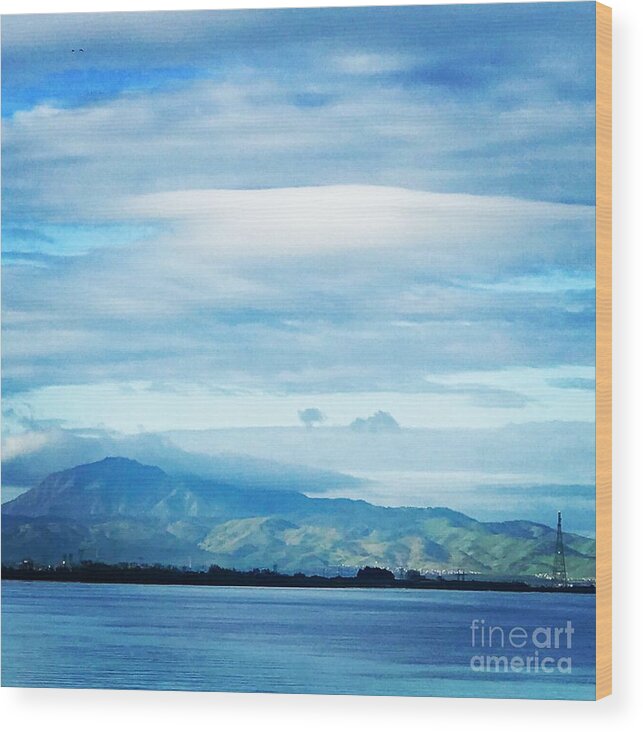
{"points": [[354, 641]]}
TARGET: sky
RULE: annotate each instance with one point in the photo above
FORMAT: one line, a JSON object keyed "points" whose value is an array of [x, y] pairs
{"points": [[213, 220]]}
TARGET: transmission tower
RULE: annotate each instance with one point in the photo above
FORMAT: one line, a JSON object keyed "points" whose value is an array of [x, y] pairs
{"points": [[560, 571]]}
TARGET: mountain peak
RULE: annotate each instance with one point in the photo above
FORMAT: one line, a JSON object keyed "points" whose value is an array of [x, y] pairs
{"points": [[122, 461], [116, 464], [116, 459], [112, 486]]}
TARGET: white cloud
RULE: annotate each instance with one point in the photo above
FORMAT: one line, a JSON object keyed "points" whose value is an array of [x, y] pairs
{"points": [[372, 63], [280, 286], [279, 289], [14, 446], [245, 131], [455, 232], [202, 405]]}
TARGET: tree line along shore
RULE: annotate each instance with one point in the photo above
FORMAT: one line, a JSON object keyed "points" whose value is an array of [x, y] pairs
{"points": [[366, 577]]}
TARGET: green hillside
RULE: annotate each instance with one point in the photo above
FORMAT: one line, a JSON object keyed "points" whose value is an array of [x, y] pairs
{"points": [[118, 510]]}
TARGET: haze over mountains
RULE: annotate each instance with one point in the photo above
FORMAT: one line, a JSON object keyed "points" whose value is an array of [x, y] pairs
{"points": [[54, 450], [118, 510], [519, 472]]}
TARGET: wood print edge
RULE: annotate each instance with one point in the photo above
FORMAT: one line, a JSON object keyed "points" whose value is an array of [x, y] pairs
{"points": [[603, 350]]}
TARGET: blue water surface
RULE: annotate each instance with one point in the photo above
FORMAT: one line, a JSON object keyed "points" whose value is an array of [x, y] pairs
{"points": [[337, 641]]}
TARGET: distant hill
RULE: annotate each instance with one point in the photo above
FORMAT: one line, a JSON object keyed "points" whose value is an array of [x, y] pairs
{"points": [[119, 510]]}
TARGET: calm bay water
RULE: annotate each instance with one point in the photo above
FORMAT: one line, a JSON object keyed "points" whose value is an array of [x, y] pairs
{"points": [[357, 641]]}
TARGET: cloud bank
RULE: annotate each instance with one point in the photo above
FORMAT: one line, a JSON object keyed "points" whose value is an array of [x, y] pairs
{"points": [[216, 218]]}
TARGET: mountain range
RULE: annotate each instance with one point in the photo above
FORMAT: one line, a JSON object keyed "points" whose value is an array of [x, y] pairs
{"points": [[119, 510]]}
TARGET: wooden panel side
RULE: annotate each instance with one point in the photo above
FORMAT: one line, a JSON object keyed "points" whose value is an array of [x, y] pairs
{"points": [[603, 350]]}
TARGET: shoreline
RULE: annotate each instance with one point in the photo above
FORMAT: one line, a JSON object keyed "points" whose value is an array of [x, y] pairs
{"points": [[230, 578]]}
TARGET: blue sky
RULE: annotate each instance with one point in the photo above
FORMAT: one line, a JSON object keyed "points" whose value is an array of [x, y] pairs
{"points": [[215, 219]]}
